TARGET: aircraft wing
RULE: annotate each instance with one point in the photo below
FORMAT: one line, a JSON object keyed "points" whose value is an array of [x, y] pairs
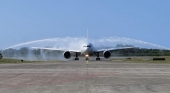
{"points": [[112, 49], [55, 49]]}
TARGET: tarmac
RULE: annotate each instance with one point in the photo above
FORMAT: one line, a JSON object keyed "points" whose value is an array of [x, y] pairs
{"points": [[85, 77]]}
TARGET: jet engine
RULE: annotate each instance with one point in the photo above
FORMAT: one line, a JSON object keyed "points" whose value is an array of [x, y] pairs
{"points": [[67, 54], [107, 54]]}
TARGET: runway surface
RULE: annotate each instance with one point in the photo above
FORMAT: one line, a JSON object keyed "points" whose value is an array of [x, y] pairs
{"points": [[79, 77]]}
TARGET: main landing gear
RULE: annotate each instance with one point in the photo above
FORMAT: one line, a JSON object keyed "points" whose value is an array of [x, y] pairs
{"points": [[97, 54], [77, 54], [76, 58]]}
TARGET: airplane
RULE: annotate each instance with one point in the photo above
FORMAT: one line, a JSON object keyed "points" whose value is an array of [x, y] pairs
{"points": [[86, 50]]}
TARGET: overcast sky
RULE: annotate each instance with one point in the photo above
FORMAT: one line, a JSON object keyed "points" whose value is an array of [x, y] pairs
{"points": [[27, 20]]}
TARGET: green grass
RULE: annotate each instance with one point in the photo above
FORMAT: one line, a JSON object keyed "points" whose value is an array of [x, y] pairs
{"points": [[124, 59], [8, 60], [143, 59]]}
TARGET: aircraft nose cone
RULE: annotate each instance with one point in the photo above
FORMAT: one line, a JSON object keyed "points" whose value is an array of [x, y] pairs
{"points": [[85, 50]]}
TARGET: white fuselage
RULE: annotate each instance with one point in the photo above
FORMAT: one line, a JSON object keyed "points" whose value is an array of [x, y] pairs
{"points": [[87, 50]]}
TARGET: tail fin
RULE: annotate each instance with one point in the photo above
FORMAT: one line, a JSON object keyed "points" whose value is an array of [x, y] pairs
{"points": [[87, 36]]}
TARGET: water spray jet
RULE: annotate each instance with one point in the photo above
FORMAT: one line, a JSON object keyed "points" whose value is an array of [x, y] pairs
{"points": [[72, 43]]}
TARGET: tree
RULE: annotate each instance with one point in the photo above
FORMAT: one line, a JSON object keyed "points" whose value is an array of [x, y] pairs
{"points": [[24, 51]]}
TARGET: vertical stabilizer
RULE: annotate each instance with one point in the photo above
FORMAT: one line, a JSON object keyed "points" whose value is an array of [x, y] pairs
{"points": [[87, 36]]}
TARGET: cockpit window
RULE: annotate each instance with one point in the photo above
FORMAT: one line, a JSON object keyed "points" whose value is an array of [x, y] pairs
{"points": [[87, 46]]}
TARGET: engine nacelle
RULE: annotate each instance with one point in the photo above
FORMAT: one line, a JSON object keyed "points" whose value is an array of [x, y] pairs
{"points": [[106, 54], [67, 54]]}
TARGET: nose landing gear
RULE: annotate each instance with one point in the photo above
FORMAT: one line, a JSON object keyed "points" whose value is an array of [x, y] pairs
{"points": [[87, 58]]}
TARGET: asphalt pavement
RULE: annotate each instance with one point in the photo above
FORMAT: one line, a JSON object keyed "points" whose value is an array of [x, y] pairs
{"points": [[85, 77]]}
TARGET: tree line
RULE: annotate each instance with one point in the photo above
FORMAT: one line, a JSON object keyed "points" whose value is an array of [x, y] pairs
{"points": [[25, 51], [141, 52]]}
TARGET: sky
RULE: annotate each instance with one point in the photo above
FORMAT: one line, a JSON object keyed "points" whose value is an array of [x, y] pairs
{"points": [[28, 20]]}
